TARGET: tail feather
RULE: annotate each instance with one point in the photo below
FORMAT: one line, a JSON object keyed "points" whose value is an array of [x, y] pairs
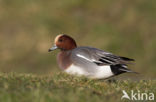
{"points": [[120, 68], [126, 59]]}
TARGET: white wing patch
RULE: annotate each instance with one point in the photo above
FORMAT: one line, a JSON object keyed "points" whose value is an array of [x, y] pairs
{"points": [[83, 57], [90, 60]]}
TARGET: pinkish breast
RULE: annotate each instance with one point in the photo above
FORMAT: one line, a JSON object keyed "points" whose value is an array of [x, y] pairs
{"points": [[63, 59]]}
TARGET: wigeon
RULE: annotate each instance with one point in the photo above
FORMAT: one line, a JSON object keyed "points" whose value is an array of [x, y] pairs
{"points": [[88, 61]]}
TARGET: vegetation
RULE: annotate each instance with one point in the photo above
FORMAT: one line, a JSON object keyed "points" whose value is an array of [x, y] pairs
{"points": [[64, 88]]}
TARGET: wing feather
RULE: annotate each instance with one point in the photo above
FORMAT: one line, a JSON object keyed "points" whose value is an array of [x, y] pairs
{"points": [[100, 57]]}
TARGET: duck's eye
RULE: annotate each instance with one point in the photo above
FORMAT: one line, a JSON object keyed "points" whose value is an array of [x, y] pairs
{"points": [[60, 40]]}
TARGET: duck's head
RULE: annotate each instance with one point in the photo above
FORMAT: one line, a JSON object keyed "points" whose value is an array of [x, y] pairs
{"points": [[64, 43]]}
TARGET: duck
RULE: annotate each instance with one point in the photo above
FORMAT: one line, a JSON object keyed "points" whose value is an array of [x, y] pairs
{"points": [[88, 61]]}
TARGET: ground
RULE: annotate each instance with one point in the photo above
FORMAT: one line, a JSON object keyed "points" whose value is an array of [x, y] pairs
{"points": [[61, 87]]}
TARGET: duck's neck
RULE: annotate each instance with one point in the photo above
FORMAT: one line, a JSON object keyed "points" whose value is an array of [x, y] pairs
{"points": [[63, 59]]}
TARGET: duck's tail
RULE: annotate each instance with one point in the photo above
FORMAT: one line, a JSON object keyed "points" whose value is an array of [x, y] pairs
{"points": [[121, 68]]}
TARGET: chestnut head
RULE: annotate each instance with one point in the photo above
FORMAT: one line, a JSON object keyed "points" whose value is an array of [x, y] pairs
{"points": [[63, 42]]}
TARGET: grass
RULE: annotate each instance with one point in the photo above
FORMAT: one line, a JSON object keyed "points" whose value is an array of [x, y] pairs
{"points": [[61, 87]]}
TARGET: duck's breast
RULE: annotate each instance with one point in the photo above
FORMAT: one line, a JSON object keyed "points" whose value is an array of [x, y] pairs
{"points": [[64, 60]]}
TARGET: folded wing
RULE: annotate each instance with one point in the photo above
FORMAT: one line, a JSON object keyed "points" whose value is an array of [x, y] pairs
{"points": [[100, 57]]}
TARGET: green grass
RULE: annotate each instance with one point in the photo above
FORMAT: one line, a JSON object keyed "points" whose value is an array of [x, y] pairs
{"points": [[65, 88]]}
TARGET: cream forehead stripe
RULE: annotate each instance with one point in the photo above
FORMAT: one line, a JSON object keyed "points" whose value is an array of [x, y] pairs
{"points": [[57, 37]]}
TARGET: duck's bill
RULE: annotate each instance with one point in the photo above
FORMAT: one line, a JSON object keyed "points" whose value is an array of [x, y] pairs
{"points": [[53, 48]]}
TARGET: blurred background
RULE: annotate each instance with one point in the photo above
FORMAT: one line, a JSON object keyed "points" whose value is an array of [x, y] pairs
{"points": [[28, 28]]}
